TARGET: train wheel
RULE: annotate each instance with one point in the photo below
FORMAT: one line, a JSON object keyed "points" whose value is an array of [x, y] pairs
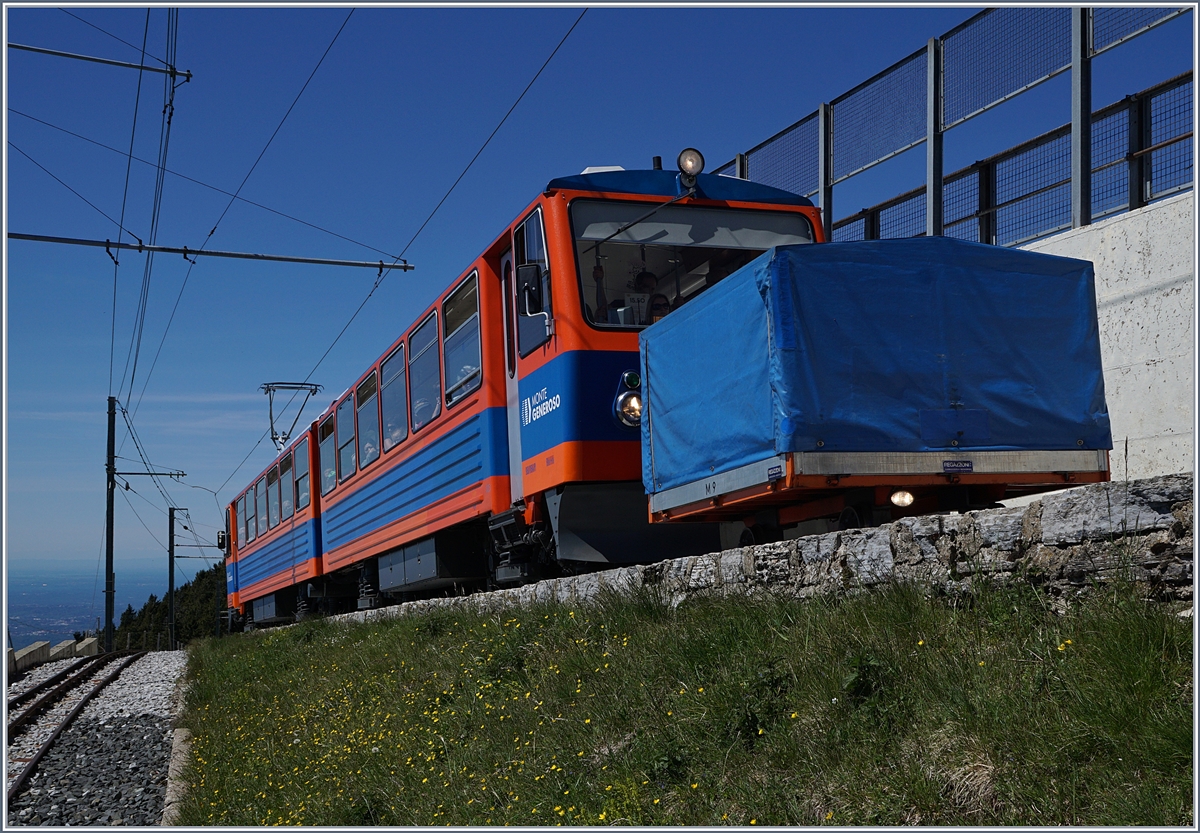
{"points": [[849, 519], [760, 534]]}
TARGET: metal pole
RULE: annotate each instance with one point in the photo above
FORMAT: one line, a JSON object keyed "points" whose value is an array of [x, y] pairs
{"points": [[825, 167], [933, 141], [168, 70], [1081, 117], [109, 578], [171, 577]]}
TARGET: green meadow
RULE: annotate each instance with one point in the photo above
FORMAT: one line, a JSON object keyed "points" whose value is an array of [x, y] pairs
{"points": [[888, 707]]}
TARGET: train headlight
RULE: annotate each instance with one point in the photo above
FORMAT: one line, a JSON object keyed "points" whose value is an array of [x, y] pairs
{"points": [[629, 408], [631, 379], [691, 164], [902, 498]]}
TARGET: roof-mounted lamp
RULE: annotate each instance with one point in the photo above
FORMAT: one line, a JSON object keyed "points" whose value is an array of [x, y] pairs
{"points": [[691, 164]]}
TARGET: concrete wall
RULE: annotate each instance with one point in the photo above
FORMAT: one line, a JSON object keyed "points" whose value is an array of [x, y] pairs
{"points": [[1065, 543], [31, 655], [1145, 297]]}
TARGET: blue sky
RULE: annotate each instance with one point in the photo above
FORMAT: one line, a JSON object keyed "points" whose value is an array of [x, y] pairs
{"points": [[401, 103]]}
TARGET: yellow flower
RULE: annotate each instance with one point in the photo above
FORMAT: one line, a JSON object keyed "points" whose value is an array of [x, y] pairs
{"points": [[920, 642], [1062, 646], [694, 786], [829, 815], [981, 662]]}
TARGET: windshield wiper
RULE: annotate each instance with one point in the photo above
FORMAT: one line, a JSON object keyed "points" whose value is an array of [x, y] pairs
{"points": [[689, 192]]}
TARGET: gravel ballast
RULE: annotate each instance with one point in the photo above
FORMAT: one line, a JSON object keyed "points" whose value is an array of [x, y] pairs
{"points": [[110, 766]]}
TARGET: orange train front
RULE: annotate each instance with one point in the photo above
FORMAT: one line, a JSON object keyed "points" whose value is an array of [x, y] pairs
{"points": [[496, 441]]}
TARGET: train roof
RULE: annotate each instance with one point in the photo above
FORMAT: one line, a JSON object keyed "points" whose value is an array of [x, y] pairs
{"points": [[666, 184]]}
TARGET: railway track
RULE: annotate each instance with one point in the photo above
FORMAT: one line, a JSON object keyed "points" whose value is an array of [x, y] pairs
{"points": [[39, 714]]}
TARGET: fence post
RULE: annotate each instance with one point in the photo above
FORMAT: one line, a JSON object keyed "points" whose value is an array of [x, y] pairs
{"points": [[985, 173], [934, 192], [825, 167], [1081, 117], [1139, 128]]}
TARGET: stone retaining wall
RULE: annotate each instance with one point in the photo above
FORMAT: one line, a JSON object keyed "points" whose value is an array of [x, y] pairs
{"points": [[1065, 542]]}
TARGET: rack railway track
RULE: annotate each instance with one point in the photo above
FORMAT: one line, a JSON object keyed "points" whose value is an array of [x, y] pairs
{"points": [[45, 710]]}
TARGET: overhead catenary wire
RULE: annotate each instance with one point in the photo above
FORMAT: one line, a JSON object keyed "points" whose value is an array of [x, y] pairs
{"points": [[164, 138], [234, 197], [111, 35], [195, 181], [51, 174], [376, 286], [491, 136], [139, 517], [124, 200]]}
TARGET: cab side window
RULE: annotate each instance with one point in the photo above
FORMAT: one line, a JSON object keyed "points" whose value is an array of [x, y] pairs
{"points": [[424, 373], [461, 340], [533, 285], [368, 421], [394, 399], [301, 472], [328, 447], [345, 438]]}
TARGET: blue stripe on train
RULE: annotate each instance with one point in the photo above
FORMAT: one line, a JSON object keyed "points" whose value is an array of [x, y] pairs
{"points": [[288, 550], [466, 454], [570, 399]]}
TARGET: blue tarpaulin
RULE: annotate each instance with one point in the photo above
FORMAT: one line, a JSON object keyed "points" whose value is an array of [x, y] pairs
{"points": [[887, 345]]}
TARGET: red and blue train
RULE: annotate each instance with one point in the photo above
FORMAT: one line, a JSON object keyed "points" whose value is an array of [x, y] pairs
{"points": [[496, 440]]}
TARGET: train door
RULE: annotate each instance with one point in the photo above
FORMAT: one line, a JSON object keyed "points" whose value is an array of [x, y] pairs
{"points": [[512, 397]]}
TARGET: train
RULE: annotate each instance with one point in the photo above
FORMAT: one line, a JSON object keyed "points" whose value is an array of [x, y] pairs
{"points": [[498, 440]]}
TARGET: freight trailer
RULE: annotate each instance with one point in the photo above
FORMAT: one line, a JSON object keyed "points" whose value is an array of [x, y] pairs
{"points": [[848, 384]]}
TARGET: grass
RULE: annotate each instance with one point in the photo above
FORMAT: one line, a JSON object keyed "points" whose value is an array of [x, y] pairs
{"points": [[884, 708]]}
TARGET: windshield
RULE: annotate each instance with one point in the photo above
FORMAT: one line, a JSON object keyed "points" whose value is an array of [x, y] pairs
{"points": [[661, 263]]}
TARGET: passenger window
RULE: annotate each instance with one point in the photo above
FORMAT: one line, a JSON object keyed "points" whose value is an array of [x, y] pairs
{"points": [[424, 376], [273, 497], [368, 421], [285, 488], [393, 399], [246, 522], [345, 438], [328, 456], [461, 345], [533, 300], [260, 499], [301, 472]]}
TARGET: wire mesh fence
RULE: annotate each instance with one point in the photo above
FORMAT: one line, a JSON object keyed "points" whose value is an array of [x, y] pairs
{"points": [[1112, 26], [1139, 148], [1170, 119], [1000, 53], [789, 159], [1025, 192], [881, 117]]}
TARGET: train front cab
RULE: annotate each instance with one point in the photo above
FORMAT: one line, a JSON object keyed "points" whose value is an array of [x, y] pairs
{"points": [[275, 540], [585, 271]]}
